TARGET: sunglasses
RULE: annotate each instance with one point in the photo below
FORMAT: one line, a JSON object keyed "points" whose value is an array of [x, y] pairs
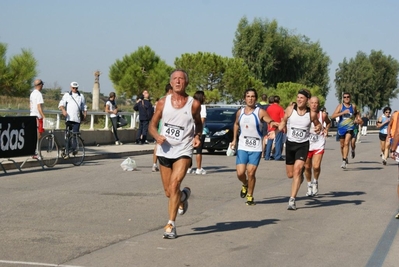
{"points": [[346, 97], [74, 87], [387, 112], [41, 83]]}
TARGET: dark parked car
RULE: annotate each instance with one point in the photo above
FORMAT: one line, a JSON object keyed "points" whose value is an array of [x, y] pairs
{"points": [[220, 125]]}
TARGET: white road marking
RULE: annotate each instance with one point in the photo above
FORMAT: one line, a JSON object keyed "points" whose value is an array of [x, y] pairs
{"points": [[37, 264]]}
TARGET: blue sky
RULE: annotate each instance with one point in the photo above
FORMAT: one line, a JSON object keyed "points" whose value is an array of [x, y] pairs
{"points": [[72, 39]]}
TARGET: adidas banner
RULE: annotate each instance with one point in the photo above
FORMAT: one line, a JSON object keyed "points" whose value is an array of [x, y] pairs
{"points": [[18, 136]]}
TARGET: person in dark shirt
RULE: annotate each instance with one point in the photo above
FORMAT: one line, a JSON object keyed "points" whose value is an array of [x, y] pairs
{"points": [[146, 110], [365, 120]]}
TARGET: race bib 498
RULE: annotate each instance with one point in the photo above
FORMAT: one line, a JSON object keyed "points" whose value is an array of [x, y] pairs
{"points": [[174, 132]]}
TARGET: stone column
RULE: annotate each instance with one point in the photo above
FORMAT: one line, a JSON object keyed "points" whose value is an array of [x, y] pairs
{"points": [[96, 91]]}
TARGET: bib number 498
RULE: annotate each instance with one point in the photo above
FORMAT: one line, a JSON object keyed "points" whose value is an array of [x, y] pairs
{"points": [[174, 132]]}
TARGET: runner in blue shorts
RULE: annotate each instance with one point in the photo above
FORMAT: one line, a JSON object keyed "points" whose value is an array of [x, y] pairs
{"points": [[248, 135]]}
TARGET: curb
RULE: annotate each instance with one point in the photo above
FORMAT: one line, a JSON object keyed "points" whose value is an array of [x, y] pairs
{"points": [[31, 163]]}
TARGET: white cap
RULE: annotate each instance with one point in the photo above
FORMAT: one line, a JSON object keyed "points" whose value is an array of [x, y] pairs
{"points": [[74, 84]]}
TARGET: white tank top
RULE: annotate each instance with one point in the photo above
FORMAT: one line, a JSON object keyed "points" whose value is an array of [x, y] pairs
{"points": [[178, 128], [317, 141], [298, 126], [250, 138]]}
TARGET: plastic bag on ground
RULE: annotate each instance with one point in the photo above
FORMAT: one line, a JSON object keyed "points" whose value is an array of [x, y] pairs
{"points": [[129, 164]]}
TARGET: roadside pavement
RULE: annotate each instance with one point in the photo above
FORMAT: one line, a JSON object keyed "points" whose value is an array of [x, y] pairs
{"points": [[91, 153]]}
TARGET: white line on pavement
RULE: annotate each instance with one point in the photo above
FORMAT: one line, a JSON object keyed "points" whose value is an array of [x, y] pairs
{"points": [[38, 264]]}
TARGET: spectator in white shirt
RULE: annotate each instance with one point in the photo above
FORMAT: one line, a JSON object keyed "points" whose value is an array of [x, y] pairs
{"points": [[73, 107]]}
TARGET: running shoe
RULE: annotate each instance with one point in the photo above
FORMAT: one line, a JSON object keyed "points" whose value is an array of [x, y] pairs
{"points": [[353, 154], [244, 190], [36, 156], [155, 168], [200, 171], [184, 205], [397, 216], [315, 188], [384, 162], [189, 170], [343, 165], [310, 191], [250, 201], [170, 232], [291, 204]]}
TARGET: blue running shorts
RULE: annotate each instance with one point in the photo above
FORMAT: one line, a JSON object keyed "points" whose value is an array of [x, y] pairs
{"points": [[248, 157]]}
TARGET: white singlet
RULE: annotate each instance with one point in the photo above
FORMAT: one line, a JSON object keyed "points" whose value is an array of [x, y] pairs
{"points": [[178, 128], [317, 141], [250, 138], [298, 126]]}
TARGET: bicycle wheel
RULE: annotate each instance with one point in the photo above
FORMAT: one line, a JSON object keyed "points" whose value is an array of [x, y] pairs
{"points": [[48, 150], [76, 149]]}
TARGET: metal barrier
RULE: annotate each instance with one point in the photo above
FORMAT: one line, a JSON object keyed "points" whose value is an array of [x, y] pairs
{"points": [[91, 114]]}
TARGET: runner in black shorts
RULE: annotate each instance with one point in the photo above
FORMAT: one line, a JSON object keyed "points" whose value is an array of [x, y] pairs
{"points": [[298, 120]]}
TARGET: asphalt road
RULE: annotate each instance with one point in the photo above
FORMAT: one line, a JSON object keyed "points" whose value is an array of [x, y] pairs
{"points": [[98, 215]]}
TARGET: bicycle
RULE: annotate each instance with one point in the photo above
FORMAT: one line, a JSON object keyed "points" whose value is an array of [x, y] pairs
{"points": [[73, 148]]}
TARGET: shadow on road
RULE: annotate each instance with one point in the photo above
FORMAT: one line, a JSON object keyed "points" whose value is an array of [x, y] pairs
{"points": [[230, 226], [321, 200]]}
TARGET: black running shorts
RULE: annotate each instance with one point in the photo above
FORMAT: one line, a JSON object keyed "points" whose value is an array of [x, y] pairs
{"points": [[295, 151], [168, 163]]}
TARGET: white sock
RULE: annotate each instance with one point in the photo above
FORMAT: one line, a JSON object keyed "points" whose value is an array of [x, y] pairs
{"points": [[309, 184], [172, 223], [315, 181]]}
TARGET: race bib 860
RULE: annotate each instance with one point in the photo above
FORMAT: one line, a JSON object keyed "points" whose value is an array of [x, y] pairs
{"points": [[298, 134]]}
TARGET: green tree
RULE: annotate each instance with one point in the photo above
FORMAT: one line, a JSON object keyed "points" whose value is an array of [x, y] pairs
{"points": [[222, 79], [275, 55], [371, 80], [16, 76], [385, 78], [356, 77], [141, 70]]}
